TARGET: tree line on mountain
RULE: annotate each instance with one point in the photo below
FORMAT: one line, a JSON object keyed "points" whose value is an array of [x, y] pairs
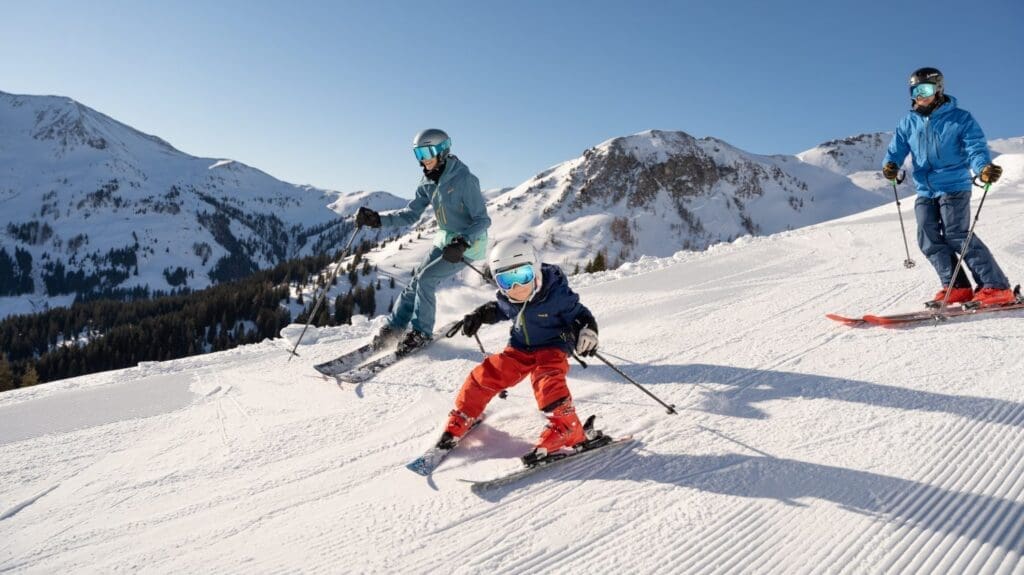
{"points": [[16, 272], [99, 335]]}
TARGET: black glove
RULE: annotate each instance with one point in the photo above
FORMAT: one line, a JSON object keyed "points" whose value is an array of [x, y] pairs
{"points": [[890, 171], [990, 174], [487, 313], [453, 251], [366, 217]]}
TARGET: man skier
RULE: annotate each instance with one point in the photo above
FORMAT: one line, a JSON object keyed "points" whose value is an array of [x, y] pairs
{"points": [[549, 322], [454, 193], [945, 142]]}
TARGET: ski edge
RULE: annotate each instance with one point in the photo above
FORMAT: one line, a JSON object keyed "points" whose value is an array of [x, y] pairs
{"points": [[427, 472], [345, 360], [937, 316], [371, 366], [480, 485]]}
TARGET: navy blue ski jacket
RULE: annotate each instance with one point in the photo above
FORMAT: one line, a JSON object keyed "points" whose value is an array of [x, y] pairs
{"points": [[553, 311]]}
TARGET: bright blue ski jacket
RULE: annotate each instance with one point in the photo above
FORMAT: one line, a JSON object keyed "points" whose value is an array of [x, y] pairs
{"points": [[943, 145], [458, 206]]}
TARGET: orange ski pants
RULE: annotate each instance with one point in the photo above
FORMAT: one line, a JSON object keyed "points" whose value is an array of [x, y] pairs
{"points": [[546, 367]]}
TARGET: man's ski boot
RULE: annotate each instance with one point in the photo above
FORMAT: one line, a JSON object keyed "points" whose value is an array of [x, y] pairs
{"points": [[992, 296], [413, 342], [957, 295]]}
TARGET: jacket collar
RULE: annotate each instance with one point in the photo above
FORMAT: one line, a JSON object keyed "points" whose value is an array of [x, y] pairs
{"points": [[453, 167], [944, 108]]}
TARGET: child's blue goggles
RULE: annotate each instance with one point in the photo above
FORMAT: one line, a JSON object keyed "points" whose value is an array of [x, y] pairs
{"points": [[426, 152], [519, 275], [922, 91]]}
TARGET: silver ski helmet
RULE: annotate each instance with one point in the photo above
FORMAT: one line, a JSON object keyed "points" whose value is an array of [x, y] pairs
{"points": [[431, 143], [922, 78], [513, 262]]}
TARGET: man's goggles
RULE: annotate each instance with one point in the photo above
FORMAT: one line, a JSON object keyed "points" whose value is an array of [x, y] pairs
{"points": [[519, 275], [922, 91], [426, 152]]}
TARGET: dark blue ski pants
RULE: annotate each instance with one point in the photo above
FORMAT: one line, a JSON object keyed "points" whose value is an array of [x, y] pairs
{"points": [[942, 226]]}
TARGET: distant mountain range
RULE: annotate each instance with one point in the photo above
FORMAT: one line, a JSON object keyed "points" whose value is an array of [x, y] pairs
{"points": [[655, 193], [88, 204]]}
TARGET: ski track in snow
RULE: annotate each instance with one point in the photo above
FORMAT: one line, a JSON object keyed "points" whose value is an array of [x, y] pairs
{"points": [[801, 446]]}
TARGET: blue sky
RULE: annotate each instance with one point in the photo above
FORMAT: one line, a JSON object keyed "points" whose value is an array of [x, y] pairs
{"points": [[331, 93]]}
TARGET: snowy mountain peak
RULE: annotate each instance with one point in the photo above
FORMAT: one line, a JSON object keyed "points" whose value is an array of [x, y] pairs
{"points": [[69, 125], [94, 205], [656, 192], [860, 153]]}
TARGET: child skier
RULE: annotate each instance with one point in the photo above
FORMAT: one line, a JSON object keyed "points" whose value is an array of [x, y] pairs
{"points": [[549, 322]]}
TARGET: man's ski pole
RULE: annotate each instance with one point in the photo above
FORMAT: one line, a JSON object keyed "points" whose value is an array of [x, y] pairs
{"points": [[477, 270], [323, 296], [963, 250], [907, 263]]}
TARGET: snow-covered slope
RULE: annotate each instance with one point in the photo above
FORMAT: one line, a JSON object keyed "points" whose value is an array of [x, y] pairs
{"points": [[802, 446], [1007, 146], [83, 191]]}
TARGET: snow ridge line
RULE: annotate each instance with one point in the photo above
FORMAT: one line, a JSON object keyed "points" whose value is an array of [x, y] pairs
{"points": [[943, 507], [523, 525], [958, 467], [872, 539], [909, 507]]}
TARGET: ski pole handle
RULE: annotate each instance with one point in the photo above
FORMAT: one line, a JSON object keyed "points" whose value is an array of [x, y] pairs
{"points": [[575, 356]]}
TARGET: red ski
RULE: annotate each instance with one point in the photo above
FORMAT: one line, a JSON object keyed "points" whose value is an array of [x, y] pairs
{"points": [[932, 315], [854, 321]]}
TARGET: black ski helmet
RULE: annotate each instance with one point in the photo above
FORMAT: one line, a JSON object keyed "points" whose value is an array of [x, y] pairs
{"points": [[928, 76]]}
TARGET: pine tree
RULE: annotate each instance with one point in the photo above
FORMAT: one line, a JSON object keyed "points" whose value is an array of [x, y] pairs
{"points": [[8, 280], [31, 377], [597, 265], [367, 301], [6, 376]]}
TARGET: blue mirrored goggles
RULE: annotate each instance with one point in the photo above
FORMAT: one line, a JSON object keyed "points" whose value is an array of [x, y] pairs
{"points": [[426, 152], [922, 91], [519, 275]]}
